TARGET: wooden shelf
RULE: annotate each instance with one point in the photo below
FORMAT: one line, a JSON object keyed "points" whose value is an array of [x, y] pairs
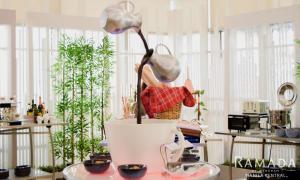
{"points": [[190, 132]]}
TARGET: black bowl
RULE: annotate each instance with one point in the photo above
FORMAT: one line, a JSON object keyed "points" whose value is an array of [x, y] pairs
{"points": [[4, 173], [132, 171], [22, 171], [190, 158], [100, 156], [96, 166]]}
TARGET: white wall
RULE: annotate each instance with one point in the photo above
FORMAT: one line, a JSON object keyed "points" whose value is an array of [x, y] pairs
{"points": [[92, 8], [223, 8], [191, 15]]}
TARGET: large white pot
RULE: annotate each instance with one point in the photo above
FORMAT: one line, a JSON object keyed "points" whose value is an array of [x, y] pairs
{"points": [[129, 142]]}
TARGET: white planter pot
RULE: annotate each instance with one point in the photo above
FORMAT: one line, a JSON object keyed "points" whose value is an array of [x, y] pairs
{"points": [[131, 143]]}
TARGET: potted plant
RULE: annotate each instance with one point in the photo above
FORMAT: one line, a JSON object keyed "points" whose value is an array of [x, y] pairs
{"points": [[58, 170], [81, 71]]}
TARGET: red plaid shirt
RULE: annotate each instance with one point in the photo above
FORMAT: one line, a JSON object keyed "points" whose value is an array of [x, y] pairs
{"points": [[156, 100]]}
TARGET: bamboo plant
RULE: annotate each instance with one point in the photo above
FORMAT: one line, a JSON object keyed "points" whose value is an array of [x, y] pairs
{"points": [[81, 78]]}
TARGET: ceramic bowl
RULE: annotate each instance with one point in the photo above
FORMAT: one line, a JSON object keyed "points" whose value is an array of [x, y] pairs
{"points": [[292, 133], [182, 170], [280, 132], [22, 171], [100, 156], [132, 171], [4, 173], [96, 166]]}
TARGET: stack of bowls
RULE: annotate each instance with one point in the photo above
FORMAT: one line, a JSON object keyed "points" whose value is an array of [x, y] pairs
{"points": [[96, 166], [293, 132], [22, 171], [280, 132], [4, 173], [290, 133]]}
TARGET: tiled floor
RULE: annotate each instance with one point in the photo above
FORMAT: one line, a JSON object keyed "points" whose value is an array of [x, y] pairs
{"points": [[237, 173]]}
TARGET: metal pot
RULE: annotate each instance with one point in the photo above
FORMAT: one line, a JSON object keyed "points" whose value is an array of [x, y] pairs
{"points": [[164, 66], [118, 18], [279, 117]]}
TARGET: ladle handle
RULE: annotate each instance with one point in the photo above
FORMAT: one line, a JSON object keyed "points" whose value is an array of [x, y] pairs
{"points": [[125, 5], [181, 140], [160, 44]]}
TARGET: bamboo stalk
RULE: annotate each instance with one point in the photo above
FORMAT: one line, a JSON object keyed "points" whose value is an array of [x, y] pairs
{"points": [[92, 108], [102, 103], [81, 116], [73, 114], [64, 119]]}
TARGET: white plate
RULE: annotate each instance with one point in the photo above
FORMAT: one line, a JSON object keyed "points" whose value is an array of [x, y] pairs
{"points": [[205, 172]]}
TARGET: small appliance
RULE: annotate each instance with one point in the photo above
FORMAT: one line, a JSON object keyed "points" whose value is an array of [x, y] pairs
{"points": [[242, 122], [255, 106]]}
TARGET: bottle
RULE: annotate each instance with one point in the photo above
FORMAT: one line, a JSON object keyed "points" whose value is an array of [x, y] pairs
{"points": [[44, 111], [29, 110], [35, 112], [40, 106], [32, 104]]}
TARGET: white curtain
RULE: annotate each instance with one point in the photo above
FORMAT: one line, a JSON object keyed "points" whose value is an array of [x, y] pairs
{"points": [[281, 59], [244, 67], [214, 96], [5, 58]]}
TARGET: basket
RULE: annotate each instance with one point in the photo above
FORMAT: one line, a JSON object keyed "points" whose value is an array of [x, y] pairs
{"points": [[172, 113]]}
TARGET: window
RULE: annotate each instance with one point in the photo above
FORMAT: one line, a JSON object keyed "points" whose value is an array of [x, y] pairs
{"points": [[215, 91], [260, 65], [189, 56], [245, 66], [280, 57], [40, 63], [22, 68], [4, 60], [4, 84], [261, 59]]}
